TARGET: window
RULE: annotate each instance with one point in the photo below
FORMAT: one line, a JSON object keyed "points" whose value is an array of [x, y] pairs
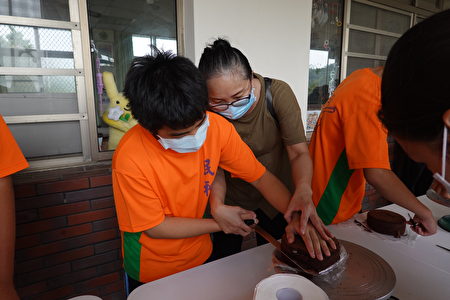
{"points": [[42, 78], [371, 30], [53, 56], [120, 31], [361, 38], [324, 55]]}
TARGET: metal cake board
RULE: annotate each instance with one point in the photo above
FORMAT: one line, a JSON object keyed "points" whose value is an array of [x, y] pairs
{"points": [[365, 275]]}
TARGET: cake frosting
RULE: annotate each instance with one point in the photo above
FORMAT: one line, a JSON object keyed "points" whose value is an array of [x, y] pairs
{"points": [[297, 251], [386, 222]]}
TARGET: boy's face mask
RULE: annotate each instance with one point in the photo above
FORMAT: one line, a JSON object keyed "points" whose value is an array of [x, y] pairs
{"points": [[188, 143]]}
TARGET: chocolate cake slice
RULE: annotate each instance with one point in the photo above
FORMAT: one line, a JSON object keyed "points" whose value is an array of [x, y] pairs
{"points": [[386, 222], [297, 251]]}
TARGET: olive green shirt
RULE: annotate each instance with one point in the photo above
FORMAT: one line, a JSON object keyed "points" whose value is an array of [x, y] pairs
{"points": [[268, 140]]}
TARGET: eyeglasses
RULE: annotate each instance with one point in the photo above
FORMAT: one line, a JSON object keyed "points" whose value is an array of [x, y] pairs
{"points": [[236, 103], [224, 106]]}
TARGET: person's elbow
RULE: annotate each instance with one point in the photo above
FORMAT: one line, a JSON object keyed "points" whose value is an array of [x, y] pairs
{"points": [[260, 181], [376, 176]]}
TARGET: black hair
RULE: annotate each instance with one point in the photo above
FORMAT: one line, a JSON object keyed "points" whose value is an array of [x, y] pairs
{"points": [[165, 90], [415, 89], [219, 58]]}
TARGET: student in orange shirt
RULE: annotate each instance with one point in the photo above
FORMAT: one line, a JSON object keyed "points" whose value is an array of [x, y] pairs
{"points": [[164, 168], [11, 161], [349, 146]]}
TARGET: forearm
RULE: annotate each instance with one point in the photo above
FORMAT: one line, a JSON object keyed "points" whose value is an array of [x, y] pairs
{"points": [[7, 231], [302, 170], [391, 188], [180, 228], [273, 191], [218, 190]]}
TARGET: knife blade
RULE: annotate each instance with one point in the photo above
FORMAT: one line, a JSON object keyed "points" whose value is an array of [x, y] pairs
{"points": [[442, 247], [277, 245]]}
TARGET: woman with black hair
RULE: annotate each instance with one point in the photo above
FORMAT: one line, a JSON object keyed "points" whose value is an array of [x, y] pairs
{"points": [[267, 116], [415, 95]]}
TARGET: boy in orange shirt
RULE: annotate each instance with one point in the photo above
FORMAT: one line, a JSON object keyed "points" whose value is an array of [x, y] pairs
{"points": [[11, 161], [349, 146], [163, 169]]}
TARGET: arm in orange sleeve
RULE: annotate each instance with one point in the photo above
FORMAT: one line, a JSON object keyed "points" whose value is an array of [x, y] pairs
{"points": [[179, 228], [7, 239], [139, 209]]}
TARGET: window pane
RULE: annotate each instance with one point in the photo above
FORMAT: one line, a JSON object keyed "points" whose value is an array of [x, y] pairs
{"points": [[124, 30], [34, 47], [377, 18], [355, 63], [18, 104], [428, 4], [45, 139], [325, 53], [37, 84], [41, 9], [370, 43]]}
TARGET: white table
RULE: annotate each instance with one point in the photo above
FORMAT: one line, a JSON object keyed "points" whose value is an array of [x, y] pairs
{"points": [[422, 269]]}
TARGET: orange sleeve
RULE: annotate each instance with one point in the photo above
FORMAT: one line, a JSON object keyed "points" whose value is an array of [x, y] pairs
{"points": [[365, 138], [138, 207], [237, 158], [11, 158]]}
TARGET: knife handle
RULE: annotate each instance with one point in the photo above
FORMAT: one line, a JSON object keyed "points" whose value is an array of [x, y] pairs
{"points": [[249, 222]]}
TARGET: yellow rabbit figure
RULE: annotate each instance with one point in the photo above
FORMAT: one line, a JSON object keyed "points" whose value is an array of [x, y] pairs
{"points": [[118, 116]]}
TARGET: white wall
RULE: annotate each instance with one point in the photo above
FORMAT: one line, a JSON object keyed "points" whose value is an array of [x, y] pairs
{"points": [[274, 35]]}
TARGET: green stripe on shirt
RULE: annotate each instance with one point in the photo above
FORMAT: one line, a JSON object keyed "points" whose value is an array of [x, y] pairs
{"points": [[132, 254], [330, 201]]}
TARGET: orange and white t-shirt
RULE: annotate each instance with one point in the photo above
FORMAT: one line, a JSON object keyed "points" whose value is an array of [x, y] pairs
{"points": [[348, 138], [150, 183], [11, 158]]}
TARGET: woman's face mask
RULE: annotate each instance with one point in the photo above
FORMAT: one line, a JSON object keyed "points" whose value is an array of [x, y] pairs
{"points": [[188, 143], [239, 107], [224, 88]]}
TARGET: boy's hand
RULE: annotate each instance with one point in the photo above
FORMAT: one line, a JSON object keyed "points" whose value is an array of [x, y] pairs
{"points": [[425, 225], [302, 202], [314, 243], [231, 219]]}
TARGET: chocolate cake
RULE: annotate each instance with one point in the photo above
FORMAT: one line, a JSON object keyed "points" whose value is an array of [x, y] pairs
{"points": [[297, 251], [386, 222]]}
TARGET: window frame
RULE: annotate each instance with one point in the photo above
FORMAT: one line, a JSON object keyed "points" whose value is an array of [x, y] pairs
{"points": [[409, 11], [83, 73]]}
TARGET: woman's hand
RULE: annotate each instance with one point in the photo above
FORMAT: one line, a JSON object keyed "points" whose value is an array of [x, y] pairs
{"points": [[302, 202], [315, 245]]}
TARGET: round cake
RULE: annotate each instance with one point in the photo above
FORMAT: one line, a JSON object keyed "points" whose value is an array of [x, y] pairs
{"points": [[297, 251], [386, 222]]}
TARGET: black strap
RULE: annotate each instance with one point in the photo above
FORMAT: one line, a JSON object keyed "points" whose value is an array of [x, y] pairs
{"points": [[269, 102]]}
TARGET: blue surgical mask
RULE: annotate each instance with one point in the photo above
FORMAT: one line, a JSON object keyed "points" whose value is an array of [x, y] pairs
{"points": [[236, 112], [188, 143]]}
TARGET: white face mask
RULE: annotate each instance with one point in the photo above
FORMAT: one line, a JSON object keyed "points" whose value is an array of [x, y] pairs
{"points": [[188, 143], [441, 177]]}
